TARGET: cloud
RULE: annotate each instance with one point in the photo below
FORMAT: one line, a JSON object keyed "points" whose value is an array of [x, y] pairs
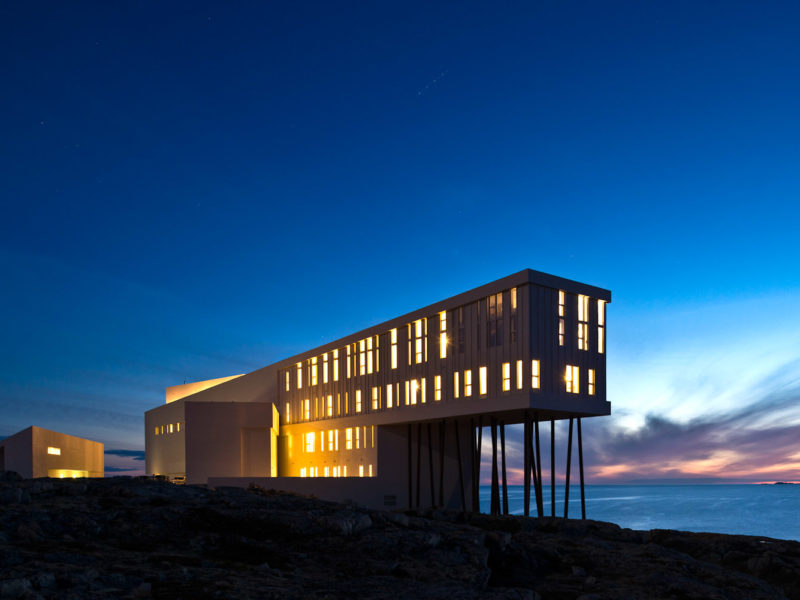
{"points": [[134, 454]]}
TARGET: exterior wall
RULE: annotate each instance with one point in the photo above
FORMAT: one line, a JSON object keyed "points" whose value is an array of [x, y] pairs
{"points": [[18, 453], [176, 392], [27, 453], [165, 440], [226, 439]]}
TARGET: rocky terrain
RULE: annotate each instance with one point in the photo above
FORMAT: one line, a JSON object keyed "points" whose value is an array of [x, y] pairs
{"points": [[139, 538]]}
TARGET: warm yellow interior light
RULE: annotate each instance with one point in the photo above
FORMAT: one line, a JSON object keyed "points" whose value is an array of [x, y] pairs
{"points": [[54, 451], [482, 377]]}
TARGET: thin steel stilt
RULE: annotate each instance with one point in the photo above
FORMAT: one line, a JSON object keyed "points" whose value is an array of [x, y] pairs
{"points": [[430, 464], [569, 461], [478, 451], [580, 464], [473, 452], [419, 460], [495, 504]]}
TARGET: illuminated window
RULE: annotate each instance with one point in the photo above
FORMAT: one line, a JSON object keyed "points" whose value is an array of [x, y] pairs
{"points": [[348, 362], [572, 377], [393, 337], [330, 440], [313, 375], [561, 309], [370, 470], [288, 413], [591, 382], [601, 326], [358, 401], [348, 438], [456, 385], [561, 332], [561, 302], [303, 472], [162, 430], [310, 442], [443, 334], [178, 427], [519, 374], [326, 472], [360, 470], [418, 341], [437, 388], [358, 437], [389, 398], [336, 365], [376, 398], [423, 387], [335, 471], [54, 451], [494, 320], [325, 368], [535, 374], [362, 357], [372, 435], [482, 383], [156, 429], [506, 377], [287, 381], [171, 429], [412, 388], [306, 409], [468, 382], [299, 375], [336, 439], [330, 405], [583, 322], [344, 471]]}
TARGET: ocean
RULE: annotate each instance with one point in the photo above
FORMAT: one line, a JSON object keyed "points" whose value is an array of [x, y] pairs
{"points": [[762, 510]]}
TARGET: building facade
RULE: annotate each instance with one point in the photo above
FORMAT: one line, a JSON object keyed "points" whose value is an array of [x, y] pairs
{"points": [[402, 404], [37, 452]]}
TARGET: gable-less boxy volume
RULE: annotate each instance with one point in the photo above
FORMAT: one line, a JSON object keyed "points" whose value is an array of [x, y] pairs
{"points": [[38, 452], [393, 415]]}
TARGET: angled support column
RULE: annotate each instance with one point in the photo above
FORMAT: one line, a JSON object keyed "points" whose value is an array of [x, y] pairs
{"points": [[460, 469], [580, 464], [526, 459], [503, 456], [552, 468], [569, 461]]}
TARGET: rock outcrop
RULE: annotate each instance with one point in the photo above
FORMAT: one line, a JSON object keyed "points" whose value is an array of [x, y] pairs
{"points": [[139, 538]]}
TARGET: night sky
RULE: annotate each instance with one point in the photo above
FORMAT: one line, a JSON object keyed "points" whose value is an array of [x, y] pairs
{"points": [[192, 190]]}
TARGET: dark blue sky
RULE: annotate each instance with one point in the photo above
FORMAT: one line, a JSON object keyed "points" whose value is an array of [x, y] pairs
{"points": [[195, 190]]}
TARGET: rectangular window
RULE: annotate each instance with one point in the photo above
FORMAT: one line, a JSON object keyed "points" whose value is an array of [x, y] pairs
{"points": [[362, 357], [572, 378], [358, 401], [437, 388], [178, 427], [506, 377], [336, 439], [314, 380], [348, 361], [336, 365], [414, 391], [287, 381], [299, 375], [303, 472], [358, 437], [456, 385], [156, 429], [370, 470], [389, 398], [307, 409], [418, 341], [330, 440], [360, 470], [443, 334], [468, 382], [330, 405], [482, 380], [494, 320], [393, 339], [519, 374], [583, 322], [54, 451], [348, 438], [591, 382], [561, 311], [561, 332], [422, 387], [376, 398], [369, 355], [326, 472], [325, 368], [310, 442], [512, 330], [601, 326], [535, 374]]}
